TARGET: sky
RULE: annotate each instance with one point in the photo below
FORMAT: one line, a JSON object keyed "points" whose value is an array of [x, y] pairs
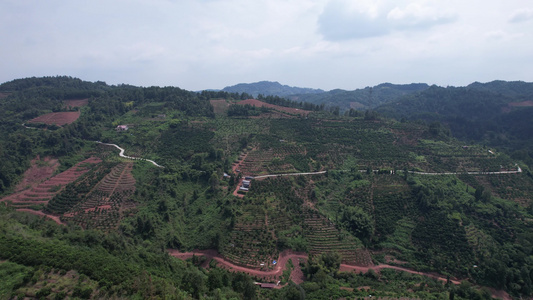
{"points": [[210, 44]]}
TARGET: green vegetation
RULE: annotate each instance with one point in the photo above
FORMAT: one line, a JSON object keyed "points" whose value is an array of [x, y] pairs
{"points": [[367, 205]]}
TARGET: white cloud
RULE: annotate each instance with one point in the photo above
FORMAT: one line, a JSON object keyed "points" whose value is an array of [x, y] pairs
{"points": [[416, 15], [340, 20], [521, 15]]}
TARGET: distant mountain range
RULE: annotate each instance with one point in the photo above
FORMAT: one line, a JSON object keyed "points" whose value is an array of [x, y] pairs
{"points": [[497, 113], [382, 94], [266, 88], [360, 99]]}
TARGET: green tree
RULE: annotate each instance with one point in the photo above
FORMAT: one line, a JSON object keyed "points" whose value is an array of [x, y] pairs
{"points": [[358, 222]]}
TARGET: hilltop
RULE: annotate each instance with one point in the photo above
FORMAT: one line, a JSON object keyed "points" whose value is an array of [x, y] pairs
{"points": [[269, 88], [110, 203]]}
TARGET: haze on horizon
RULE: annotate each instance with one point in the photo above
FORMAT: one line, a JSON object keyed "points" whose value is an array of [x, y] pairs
{"points": [[210, 44]]}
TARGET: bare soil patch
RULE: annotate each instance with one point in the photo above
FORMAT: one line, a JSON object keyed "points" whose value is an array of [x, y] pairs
{"points": [[76, 102], [297, 276], [390, 259], [4, 95], [223, 262], [290, 110], [43, 191], [220, 106], [57, 118], [39, 171]]}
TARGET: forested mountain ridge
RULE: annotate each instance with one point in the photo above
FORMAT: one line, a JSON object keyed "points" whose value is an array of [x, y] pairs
{"points": [[521, 89], [340, 205], [362, 99], [269, 88], [496, 113]]}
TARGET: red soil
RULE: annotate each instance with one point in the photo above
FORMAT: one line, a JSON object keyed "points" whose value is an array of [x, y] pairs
{"points": [[358, 269], [289, 110], [4, 95], [297, 277], [37, 173], [219, 106], [42, 192], [521, 104], [57, 118], [76, 102], [40, 213], [236, 167], [213, 254]]}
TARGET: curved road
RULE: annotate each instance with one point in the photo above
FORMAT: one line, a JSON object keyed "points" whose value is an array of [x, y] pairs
{"points": [[286, 255], [121, 154], [42, 214], [284, 258]]}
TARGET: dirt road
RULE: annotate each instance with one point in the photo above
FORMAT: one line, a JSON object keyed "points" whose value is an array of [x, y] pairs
{"points": [[285, 256], [40, 213]]}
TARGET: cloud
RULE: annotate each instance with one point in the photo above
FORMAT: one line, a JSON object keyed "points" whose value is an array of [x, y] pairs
{"points": [[417, 16], [522, 15], [341, 20]]}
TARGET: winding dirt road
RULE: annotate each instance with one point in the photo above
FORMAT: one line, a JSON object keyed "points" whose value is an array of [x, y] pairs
{"points": [[43, 214], [284, 258], [295, 256]]}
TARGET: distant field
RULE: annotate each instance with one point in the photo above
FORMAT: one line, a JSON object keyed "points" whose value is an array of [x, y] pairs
{"points": [[289, 110], [76, 102], [57, 118]]}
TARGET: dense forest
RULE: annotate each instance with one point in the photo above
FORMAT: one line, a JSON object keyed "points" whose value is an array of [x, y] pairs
{"points": [[254, 202]]}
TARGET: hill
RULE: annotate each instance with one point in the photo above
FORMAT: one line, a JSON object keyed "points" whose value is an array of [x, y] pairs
{"points": [[361, 99], [495, 113], [111, 204], [269, 88]]}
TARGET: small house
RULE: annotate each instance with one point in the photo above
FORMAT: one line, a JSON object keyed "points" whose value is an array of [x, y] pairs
{"points": [[122, 128], [268, 285]]}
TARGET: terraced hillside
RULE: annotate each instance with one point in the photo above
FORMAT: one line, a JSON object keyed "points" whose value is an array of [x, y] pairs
{"points": [[107, 203], [45, 191]]}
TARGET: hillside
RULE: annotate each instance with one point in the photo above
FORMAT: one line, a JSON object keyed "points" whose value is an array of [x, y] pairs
{"points": [[362, 99], [496, 113], [269, 88], [328, 206]]}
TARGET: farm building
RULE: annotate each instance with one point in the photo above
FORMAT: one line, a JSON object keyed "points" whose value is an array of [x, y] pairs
{"points": [[244, 189], [122, 128], [246, 183], [268, 285]]}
